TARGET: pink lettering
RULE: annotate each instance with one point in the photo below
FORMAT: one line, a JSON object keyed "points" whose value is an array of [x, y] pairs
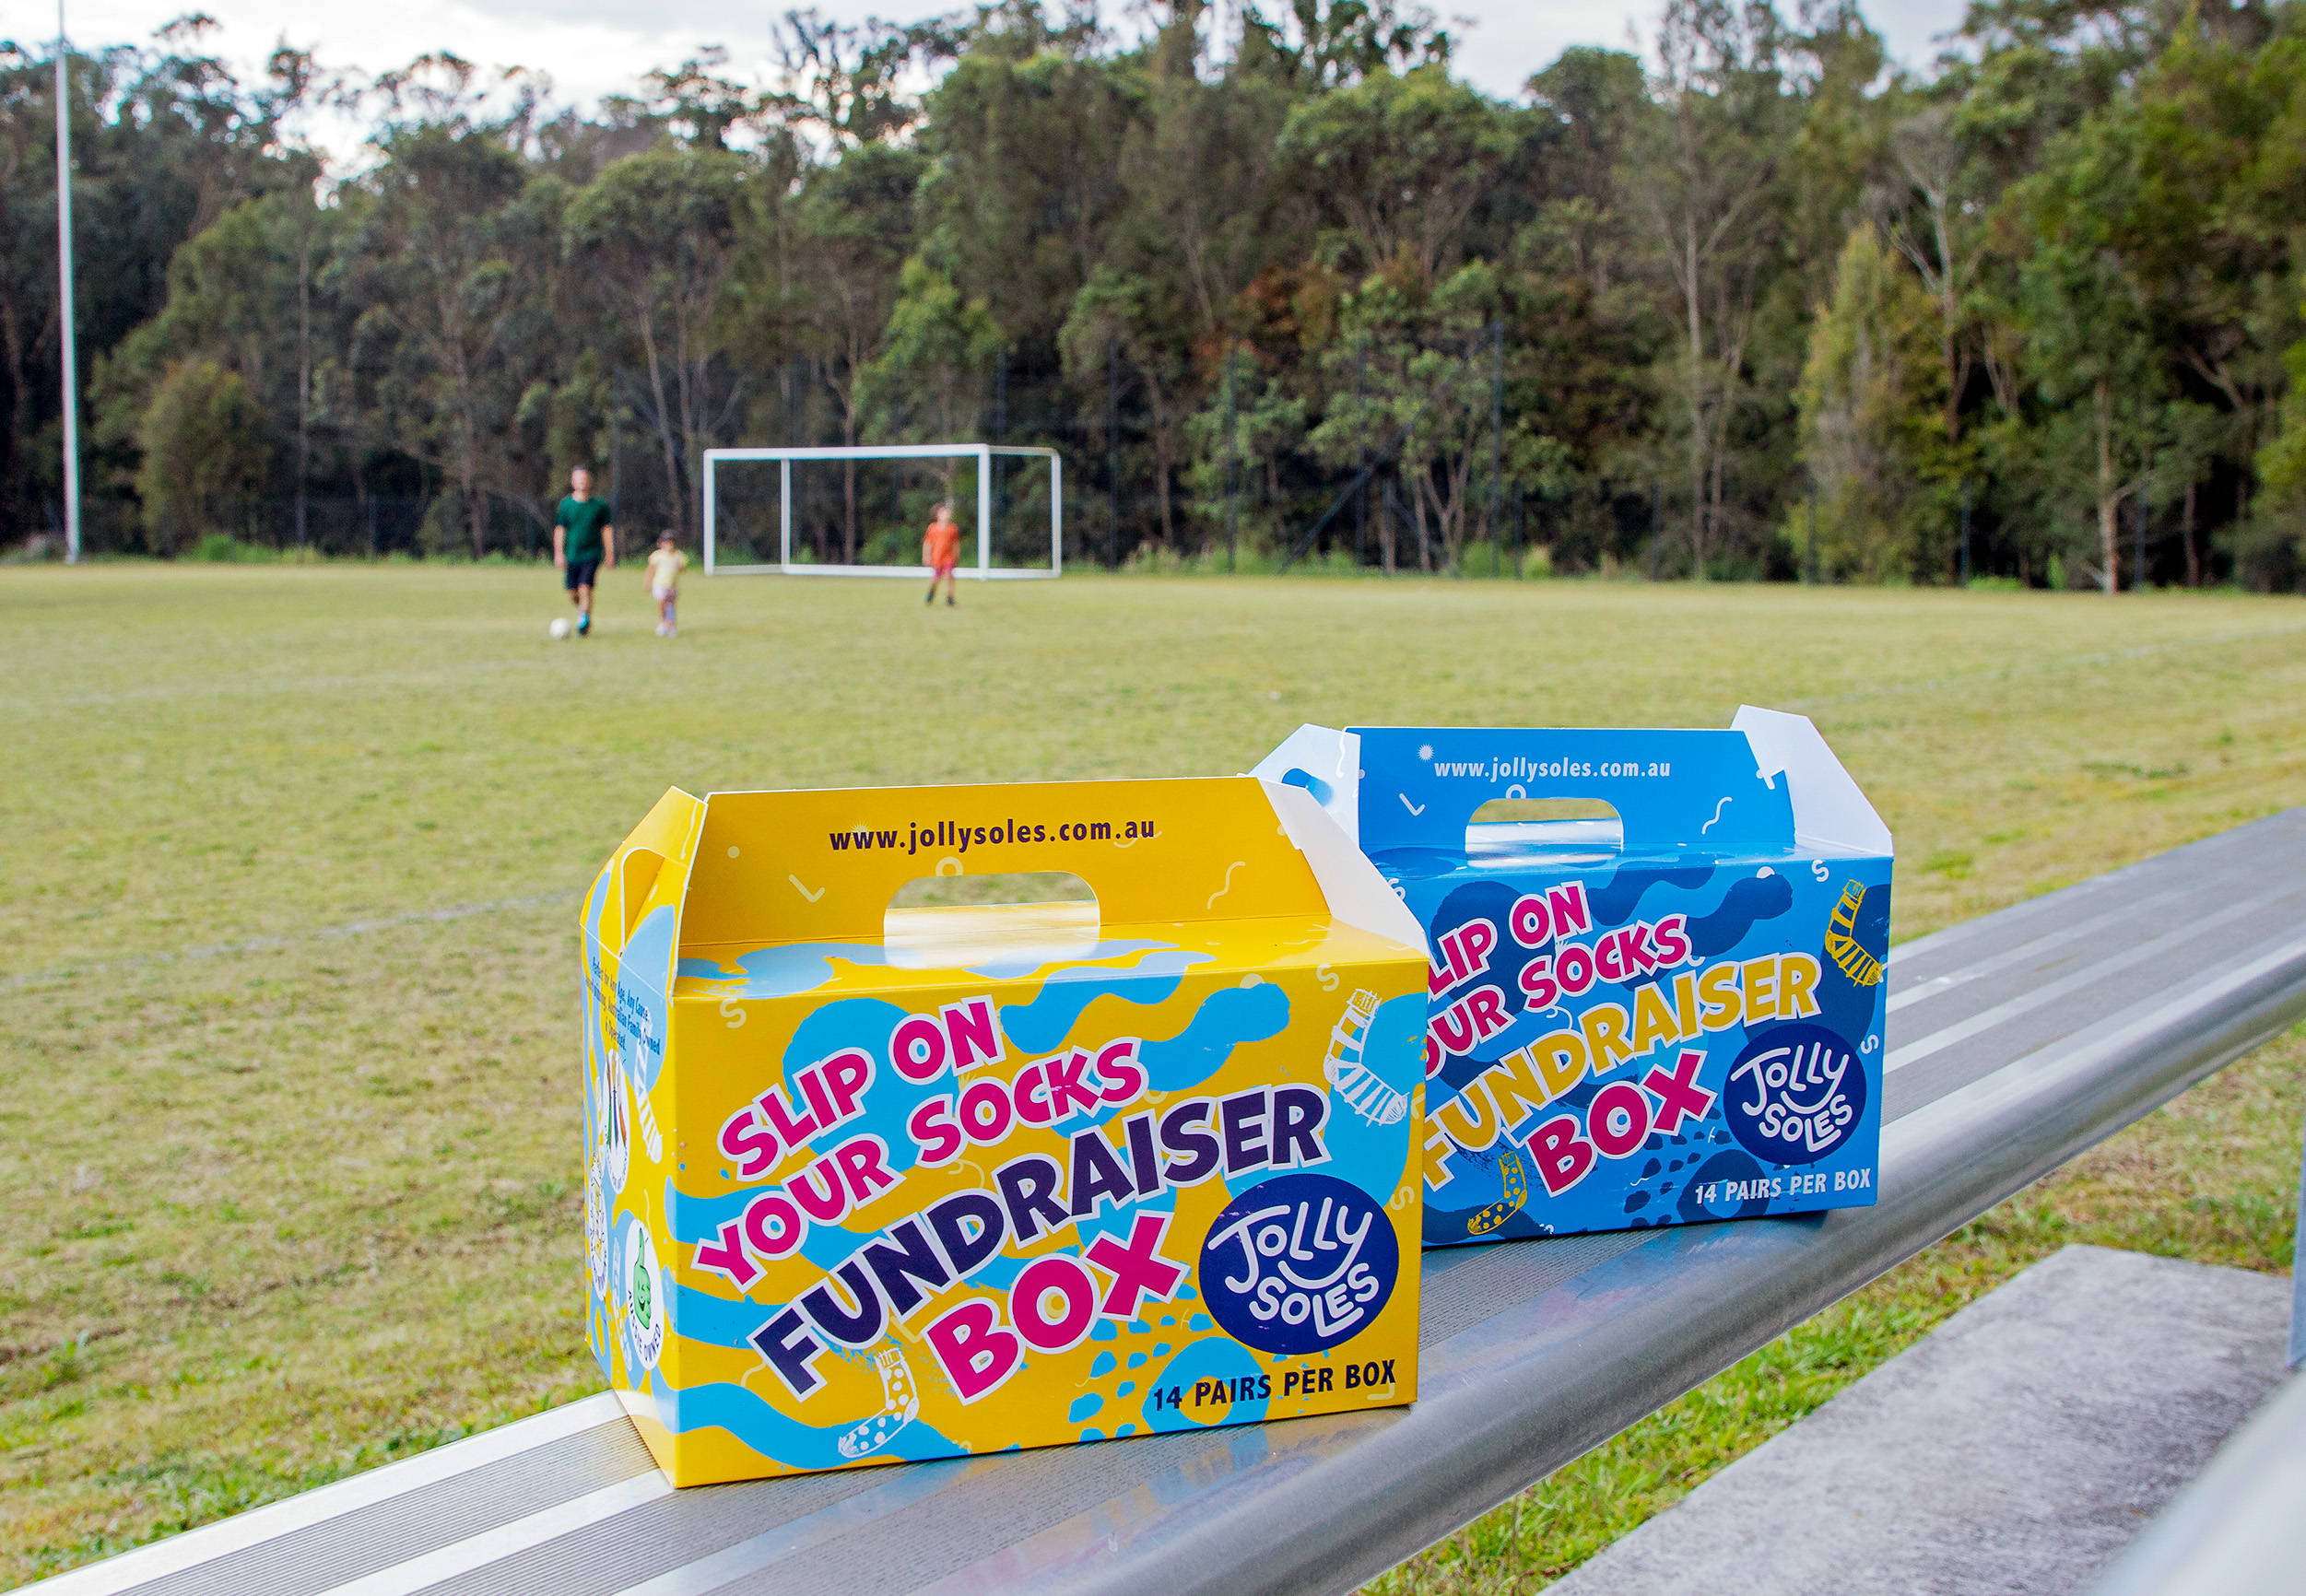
{"points": [[1562, 1156], [772, 1225], [723, 1255], [1068, 1280], [976, 1354], [1066, 1091], [1138, 1268], [863, 1162]]}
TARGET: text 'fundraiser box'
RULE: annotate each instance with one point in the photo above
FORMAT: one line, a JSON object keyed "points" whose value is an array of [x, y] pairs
{"points": [[1670, 1016], [869, 1184]]}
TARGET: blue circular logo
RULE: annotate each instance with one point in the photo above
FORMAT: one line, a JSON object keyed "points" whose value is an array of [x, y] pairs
{"points": [[1795, 1095], [1299, 1263]]}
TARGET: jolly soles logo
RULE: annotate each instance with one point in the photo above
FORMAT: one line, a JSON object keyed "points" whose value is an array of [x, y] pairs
{"points": [[1299, 1263], [1795, 1095]]}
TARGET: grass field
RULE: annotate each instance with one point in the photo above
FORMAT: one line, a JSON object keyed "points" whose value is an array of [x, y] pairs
{"points": [[289, 1099]]}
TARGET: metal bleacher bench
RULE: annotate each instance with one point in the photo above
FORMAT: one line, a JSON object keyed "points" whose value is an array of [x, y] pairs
{"points": [[2017, 1040]]}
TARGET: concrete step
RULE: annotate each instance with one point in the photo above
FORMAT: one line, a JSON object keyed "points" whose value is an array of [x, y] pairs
{"points": [[2015, 1452]]}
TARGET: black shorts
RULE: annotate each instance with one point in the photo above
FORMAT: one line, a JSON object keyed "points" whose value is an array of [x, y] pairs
{"points": [[580, 573]]}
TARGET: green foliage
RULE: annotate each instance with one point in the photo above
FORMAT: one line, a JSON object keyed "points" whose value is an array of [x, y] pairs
{"points": [[656, 236], [202, 436], [1424, 367], [223, 548], [1284, 280], [1398, 163], [936, 347], [164, 140], [1870, 398], [2281, 463]]}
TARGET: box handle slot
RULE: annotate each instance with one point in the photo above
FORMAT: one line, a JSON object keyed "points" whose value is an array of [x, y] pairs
{"points": [[937, 920], [1595, 812], [992, 889], [1294, 777], [637, 875]]}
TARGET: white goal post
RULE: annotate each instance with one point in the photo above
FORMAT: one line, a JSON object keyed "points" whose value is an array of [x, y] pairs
{"points": [[983, 454]]}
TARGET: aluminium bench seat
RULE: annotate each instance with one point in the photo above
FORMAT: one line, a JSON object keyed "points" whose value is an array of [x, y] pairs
{"points": [[2017, 1040]]}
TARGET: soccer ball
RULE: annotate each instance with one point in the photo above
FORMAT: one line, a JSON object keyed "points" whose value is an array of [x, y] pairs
{"points": [[559, 627]]}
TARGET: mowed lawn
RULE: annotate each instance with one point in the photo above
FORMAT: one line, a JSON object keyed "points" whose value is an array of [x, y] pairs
{"points": [[288, 1067]]}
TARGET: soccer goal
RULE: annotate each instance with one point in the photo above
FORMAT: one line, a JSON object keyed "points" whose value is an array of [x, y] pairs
{"points": [[750, 512]]}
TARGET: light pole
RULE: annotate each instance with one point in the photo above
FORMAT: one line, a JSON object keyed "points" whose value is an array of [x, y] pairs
{"points": [[68, 333]]}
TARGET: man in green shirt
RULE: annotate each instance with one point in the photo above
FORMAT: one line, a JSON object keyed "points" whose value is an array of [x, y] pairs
{"points": [[584, 540]]}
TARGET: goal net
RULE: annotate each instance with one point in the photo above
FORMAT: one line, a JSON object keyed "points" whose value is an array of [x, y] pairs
{"points": [[861, 511]]}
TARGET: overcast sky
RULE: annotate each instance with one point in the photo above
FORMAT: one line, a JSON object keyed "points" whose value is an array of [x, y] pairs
{"points": [[592, 47]]}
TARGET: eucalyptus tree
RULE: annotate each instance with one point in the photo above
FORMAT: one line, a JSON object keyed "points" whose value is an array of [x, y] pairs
{"points": [[2218, 128], [451, 272], [1935, 228], [1413, 379], [1023, 139], [843, 281], [1398, 163], [1871, 422], [256, 295], [1705, 165], [2085, 325], [166, 139], [1593, 99], [654, 241]]}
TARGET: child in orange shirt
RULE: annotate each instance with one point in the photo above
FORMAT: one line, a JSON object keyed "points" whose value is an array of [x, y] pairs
{"points": [[940, 551]]}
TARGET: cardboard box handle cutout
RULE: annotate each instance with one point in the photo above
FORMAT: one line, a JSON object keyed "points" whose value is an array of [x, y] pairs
{"points": [[822, 866], [637, 875], [1418, 787], [941, 936], [648, 873]]}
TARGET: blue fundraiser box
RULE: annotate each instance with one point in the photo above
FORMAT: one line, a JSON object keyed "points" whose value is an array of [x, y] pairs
{"points": [[1669, 1017]]}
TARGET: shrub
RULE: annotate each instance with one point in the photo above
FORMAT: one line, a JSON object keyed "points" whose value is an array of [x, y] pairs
{"points": [[204, 455], [223, 548]]}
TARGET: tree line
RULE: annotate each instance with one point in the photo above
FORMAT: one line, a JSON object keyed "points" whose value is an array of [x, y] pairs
{"points": [[1281, 286]]}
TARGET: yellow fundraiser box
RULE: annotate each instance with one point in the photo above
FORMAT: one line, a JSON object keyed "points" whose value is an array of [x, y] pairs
{"points": [[868, 1184]]}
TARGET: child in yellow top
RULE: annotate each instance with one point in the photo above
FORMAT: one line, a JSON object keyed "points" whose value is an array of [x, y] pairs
{"points": [[664, 568]]}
